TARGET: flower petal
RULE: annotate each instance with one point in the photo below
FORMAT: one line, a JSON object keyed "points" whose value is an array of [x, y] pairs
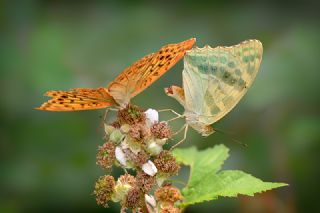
{"points": [[150, 200], [149, 168], [120, 156], [152, 115]]}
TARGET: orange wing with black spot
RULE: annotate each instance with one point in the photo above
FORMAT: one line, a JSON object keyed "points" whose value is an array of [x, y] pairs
{"points": [[77, 99], [128, 84], [147, 70]]}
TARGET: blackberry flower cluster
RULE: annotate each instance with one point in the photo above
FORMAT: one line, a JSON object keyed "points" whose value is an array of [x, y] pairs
{"points": [[135, 141]]}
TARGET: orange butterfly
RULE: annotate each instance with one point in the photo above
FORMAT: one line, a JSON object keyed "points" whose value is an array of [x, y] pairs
{"points": [[128, 84]]}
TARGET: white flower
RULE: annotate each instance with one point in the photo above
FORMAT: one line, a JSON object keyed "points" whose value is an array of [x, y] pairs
{"points": [[121, 156], [152, 115], [149, 168]]}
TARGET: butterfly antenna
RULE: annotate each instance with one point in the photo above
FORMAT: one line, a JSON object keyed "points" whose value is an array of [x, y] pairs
{"points": [[229, 136]]}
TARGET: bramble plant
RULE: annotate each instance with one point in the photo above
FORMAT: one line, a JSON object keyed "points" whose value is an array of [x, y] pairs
{"points": [[214, 81], [136, 141]]}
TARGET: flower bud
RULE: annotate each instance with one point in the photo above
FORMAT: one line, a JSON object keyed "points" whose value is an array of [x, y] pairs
{"points": [[131, 144], [108, 129], [116, 136], [124, 184], [153, 148], [125, 128], [162, 141]]}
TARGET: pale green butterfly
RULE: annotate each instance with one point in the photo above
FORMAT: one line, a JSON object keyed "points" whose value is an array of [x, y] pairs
{"points": [[214, 81]]}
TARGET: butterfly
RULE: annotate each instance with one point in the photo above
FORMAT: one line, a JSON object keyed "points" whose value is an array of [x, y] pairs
{"points": [[214, 81], [132, 81]]}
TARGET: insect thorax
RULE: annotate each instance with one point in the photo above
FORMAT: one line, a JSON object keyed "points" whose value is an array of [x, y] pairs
{"points": [[194, 121]]}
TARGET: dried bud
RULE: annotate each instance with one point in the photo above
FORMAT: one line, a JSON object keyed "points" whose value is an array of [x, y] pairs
{"points": [[161, 130], [127, 179], [124, 184], [133, 199], [170, 209], [131, 115], [166, 163], [104, 188], [168, 194], [106, 155], [145, 182], [137, 159], [138, 132]]}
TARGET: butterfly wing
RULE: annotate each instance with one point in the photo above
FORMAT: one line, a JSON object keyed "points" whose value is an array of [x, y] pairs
{"points": [[147, 70], [215, 79], [77, 99]]}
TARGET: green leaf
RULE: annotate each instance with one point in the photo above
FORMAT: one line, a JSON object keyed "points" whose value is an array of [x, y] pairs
{"points": [[207, 183]]}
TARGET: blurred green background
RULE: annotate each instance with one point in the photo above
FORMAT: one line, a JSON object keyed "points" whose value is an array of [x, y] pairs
{"points": [[47, 160]]}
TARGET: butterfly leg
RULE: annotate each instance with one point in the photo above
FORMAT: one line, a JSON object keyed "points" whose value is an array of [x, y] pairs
{"points": [[174, 112], [186, 126], [105, 115], [175, 118], [177, 132], [169, 110]]}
